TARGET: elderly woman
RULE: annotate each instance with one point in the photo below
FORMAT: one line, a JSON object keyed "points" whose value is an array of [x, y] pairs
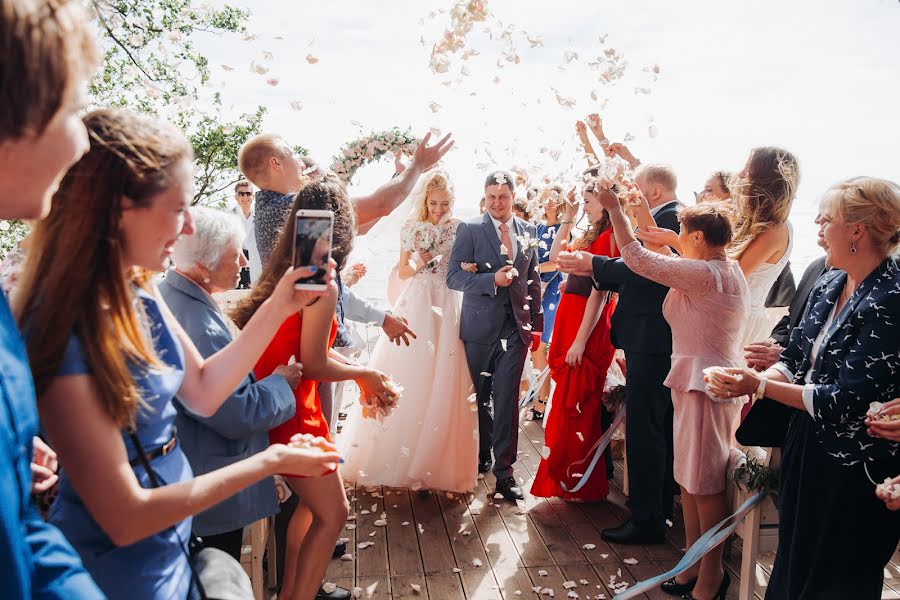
{"points": [[706, 306], [835, 535], [207, 262]]}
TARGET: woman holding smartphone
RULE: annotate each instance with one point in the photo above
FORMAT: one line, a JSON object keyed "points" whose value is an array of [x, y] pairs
{"points": [[307, 336], [108, 358]]}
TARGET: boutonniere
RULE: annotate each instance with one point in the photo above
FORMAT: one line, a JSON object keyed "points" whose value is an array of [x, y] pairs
{"points": [[526, 242]]}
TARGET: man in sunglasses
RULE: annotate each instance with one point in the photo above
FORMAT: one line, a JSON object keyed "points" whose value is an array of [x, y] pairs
{"points": [[243, 198]]}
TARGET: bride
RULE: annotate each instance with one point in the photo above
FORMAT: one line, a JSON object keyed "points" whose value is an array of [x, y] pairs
{"points": [[429, 440]]}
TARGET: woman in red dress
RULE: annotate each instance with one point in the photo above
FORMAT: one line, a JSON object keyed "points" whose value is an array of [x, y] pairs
{"points": [[580, 354], [307, 337]]}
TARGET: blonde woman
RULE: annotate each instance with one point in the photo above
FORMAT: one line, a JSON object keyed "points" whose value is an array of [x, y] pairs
{"points": [[429, 440]]}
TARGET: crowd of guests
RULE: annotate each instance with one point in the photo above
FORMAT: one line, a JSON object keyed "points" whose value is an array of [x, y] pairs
{"points": [[169, 426]]}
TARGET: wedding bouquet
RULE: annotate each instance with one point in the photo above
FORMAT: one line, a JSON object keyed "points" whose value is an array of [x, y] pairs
{"points": [[421, 237]]}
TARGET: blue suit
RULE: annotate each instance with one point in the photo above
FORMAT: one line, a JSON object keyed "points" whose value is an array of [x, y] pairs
{"points": [[239, 429], [495, 327], [36, 561]]}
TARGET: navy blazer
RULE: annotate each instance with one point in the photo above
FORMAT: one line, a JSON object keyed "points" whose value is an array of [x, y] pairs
{"points": [[859, 361], [240, 428], [484, 305], [637, 324]]}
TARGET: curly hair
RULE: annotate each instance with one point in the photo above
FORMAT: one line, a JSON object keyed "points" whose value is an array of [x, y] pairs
{"points": [[329, 194], [591, 234]]}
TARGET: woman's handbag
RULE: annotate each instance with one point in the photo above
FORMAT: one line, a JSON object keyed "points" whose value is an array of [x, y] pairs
{"points": [[215, 574], [766, 424]]}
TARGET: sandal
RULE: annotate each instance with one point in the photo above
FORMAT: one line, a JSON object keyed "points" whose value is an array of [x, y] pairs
{"points": [[538, 408]]}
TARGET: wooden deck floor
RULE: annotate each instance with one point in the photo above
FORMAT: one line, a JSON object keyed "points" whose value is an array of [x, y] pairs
{"points": [[452, 547]]}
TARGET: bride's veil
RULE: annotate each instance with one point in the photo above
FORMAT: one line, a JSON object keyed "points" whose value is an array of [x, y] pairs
{"points": [[379, 248]]}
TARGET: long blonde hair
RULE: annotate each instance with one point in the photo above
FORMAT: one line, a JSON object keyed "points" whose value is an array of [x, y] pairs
{"points": [[763, 193], [75, 276]]}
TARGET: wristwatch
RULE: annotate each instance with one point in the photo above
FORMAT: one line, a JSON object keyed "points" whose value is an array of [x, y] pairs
{"points": [[761, 390]]}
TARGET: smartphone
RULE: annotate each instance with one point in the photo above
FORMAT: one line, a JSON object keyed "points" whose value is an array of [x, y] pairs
{"points": [[313, 230]]}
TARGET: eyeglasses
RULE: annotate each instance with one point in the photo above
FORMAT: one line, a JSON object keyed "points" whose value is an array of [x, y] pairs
{"points": [[242, 194]]}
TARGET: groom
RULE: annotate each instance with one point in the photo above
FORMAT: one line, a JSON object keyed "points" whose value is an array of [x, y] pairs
{"points": [[501, 318]]}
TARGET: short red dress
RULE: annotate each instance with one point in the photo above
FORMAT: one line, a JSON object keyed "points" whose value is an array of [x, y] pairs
{"points": [[573, 424], [308, 418]]}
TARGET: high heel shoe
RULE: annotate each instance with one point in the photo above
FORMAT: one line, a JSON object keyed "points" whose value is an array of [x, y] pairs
{"points": [[537, 409], [720, 593], [673, 588]]}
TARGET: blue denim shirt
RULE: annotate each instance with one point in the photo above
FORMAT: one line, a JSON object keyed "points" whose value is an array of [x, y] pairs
{"points": [[36, 561]]}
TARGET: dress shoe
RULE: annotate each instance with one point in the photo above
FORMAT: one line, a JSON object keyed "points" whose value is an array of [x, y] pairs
{"points": [[338, 593], [340, 549], [633, 534], [510, 489], [720, 593], [484, 466], [673, 588]]}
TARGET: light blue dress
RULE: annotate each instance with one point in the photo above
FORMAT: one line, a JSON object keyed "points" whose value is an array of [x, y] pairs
{"points": [[156, 567]]}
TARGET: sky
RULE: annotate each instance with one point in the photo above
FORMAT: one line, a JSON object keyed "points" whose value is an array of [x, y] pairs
{"points": [[821, 79]]}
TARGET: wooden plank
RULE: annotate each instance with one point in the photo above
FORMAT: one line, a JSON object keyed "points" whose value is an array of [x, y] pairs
{"points": [[548, 577], [402, 588], [371, 561], [375, 588], [465, 541], [532, 549], [403, 541], [434, 543], [560, 544], [583, 531], [445, 587], [594, 587], [480, 584], [498, 545]]}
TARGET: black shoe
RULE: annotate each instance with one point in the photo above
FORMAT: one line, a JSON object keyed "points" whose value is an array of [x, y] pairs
{"points": [[510, 489], [537, 410], [340, 549], [673, 588], [630, 533], [720, 594], [338, 593], [484, 466]]}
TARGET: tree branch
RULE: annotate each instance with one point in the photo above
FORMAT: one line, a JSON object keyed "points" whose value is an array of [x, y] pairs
{"points": [[119, 43]]}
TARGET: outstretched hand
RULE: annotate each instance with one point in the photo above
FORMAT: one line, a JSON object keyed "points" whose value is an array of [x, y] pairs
{"points": [[659, 236], [575, 263], [427, 156]]}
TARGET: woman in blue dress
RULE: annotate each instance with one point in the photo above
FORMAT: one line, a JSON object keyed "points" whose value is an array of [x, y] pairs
{"points": [[108, 357], [547, 231]]}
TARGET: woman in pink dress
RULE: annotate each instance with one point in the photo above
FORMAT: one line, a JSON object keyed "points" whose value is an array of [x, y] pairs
{"points": [[706, 307]]}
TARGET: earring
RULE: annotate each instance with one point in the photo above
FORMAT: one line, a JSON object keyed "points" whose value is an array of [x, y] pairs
{"points": [[852, 246]]}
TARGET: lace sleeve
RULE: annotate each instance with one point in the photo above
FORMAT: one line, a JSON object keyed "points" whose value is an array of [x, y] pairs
{"points": [[691, 276], [407, 236]]}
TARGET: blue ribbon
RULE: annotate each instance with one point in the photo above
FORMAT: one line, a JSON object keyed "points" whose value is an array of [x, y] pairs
{"points": [[706, 542], [598, 449], [535, 387]]}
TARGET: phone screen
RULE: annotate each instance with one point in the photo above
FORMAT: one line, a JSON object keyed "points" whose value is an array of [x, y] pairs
{"points": [[312, 245]]}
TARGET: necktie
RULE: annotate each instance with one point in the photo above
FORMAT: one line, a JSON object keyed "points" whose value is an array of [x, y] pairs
{"points": [[506, 241]]}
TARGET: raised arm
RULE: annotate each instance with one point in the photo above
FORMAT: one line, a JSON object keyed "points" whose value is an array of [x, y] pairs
{"points": [[589, 155], [564, 233], [372, 207], [209, 382]]}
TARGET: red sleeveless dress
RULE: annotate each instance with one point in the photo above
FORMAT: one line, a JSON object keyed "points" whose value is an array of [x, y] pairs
{"points": [[308, 418], [573, 425]]}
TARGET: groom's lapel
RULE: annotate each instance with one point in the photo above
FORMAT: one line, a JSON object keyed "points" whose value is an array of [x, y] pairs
{"points": [[522, 257], [487, 225]]}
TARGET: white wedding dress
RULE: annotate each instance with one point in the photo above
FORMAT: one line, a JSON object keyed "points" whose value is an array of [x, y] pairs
{"points": [[758, 326], [430, 440]]}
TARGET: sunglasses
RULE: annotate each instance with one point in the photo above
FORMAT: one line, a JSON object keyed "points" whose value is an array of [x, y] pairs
{"points": [[242, 194]]}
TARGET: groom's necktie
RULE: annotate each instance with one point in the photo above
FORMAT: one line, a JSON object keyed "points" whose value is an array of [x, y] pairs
{"points": [[506, 241]]}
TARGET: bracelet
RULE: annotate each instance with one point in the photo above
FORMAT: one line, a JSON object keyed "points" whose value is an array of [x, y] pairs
{"points": [[604, 142], [565, 222]]}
